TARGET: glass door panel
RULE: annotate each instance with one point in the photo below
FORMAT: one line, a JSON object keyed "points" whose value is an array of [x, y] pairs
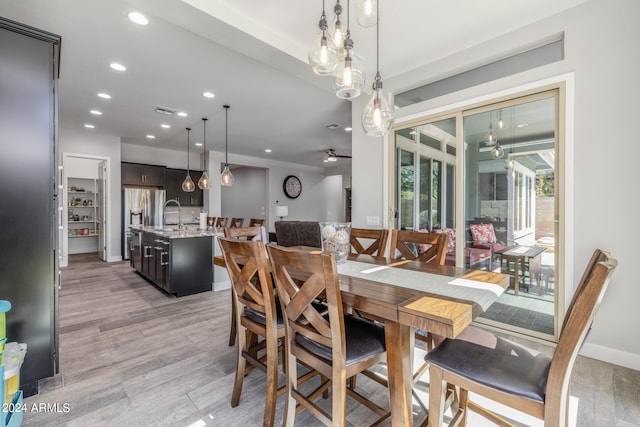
{"points": [[509, 207]]}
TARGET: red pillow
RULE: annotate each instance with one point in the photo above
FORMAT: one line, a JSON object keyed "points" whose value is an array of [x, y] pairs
{"points": [[451, 244], [482, 233]]}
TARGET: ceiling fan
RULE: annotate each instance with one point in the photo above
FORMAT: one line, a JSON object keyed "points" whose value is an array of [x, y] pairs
{"points": [[333, 157]]}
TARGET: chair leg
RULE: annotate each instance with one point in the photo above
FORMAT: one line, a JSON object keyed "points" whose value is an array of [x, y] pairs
{"points": [[272, 383], [436, 397], [233, 331], [339, 399], [290, 402], [241, 365]]}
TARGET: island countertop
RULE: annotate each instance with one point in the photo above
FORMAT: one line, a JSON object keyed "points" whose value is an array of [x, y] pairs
{"points": [[173, 233]]}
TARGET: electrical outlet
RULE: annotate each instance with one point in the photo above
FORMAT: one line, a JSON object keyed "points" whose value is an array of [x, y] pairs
{"points": [[372, 220]]}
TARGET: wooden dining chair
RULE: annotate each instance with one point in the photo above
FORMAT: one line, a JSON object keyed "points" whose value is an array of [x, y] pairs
{"points": [[241, 233], [319, 341], [256, 221], [236, 222], [255, 315], [221, 222], [418, 246], [512, 374], [375, 241]]}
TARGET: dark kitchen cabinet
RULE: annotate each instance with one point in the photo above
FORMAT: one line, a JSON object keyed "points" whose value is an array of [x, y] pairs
{"points": [[145, 175], [180, 266], [173, 187]]}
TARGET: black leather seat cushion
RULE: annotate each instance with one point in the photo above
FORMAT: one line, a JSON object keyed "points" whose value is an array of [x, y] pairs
{"points": [[259, 317], [364, 339], [494, 362]]}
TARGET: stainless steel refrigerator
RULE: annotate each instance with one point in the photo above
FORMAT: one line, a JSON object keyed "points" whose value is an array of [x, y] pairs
{"points": [[140, 206]]}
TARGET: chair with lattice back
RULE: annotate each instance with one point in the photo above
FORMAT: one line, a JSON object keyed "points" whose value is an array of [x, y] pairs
{"points": [[512, 374], [369, 241], [318, 340]]}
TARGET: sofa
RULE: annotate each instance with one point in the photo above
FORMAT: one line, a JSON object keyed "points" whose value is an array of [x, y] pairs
{"points": [[298, 233]]}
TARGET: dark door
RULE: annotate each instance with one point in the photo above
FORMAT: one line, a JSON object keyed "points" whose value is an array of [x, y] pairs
{"points": [[29, 239]]}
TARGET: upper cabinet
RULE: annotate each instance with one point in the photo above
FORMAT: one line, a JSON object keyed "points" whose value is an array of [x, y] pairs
{"points": [[144, 175], [174, 187]]}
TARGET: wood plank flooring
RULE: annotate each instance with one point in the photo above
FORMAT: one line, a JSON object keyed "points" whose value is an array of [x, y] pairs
{"points": [[131, 355]]}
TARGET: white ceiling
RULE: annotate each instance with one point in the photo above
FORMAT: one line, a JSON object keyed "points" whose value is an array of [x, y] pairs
{"points": [[252, 55]]}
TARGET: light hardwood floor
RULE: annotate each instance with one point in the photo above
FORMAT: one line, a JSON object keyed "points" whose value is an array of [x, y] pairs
{"points": [[130, 355]]}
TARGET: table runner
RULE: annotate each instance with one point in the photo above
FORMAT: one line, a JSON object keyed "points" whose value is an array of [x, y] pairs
{"points": [[484, 294]]}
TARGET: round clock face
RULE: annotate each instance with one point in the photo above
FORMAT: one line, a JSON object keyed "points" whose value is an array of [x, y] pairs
{"points": [[292, 187]]}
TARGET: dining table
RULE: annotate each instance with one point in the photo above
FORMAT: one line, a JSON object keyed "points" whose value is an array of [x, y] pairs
{"points": [[408, 295]]}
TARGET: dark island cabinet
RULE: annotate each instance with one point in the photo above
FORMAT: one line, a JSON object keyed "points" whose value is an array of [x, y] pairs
{"points": [[180, 266], [143, 175], [173, 187]]}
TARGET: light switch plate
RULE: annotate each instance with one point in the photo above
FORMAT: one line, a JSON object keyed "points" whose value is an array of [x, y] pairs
{"points": [[372, 220]]}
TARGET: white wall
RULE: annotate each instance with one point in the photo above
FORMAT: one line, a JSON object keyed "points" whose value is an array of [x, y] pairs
{"points": [[601, 49], [312, 205], [92, 144], [246, 198]]}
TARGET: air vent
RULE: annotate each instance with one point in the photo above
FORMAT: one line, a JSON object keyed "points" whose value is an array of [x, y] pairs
{"points": [[165, 110], [332, 126]]}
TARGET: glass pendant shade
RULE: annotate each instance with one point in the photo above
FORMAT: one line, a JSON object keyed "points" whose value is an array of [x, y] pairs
{"points": [[337, 30], [324, 54], [378, 114], [492, 138], [203, 182], [226, 178], [367, 12], [497, 152], [349, 76], [188, 185]]}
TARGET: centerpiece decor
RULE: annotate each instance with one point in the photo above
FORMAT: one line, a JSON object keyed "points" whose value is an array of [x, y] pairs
{"points": [[336, 238]]}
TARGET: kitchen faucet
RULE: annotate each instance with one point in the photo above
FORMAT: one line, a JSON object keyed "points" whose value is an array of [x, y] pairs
{"points": [[164, 215]]}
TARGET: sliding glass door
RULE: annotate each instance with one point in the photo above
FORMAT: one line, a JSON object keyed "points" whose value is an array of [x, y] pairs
{"points": [[504, 156]]}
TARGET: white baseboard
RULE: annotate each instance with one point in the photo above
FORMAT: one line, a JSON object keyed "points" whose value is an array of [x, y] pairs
{"points": [[610, 355], [221, 286], [114, 258]]}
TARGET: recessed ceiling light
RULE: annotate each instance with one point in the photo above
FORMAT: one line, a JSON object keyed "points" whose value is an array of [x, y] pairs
{"points": [[182, 114], [165, 126], [198, 144], [117, 66], [104, 95], [523, 125], [326, 160], [348, 129], [208, 94], [89, 126], [151, 136], [138, 18], [96, 112], [268, 150]]}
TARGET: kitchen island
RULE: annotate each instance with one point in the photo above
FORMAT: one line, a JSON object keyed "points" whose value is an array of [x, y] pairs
{"points": [[177, 261]]}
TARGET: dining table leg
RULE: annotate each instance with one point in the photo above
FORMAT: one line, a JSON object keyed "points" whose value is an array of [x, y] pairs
{"points": [[398, 343]]}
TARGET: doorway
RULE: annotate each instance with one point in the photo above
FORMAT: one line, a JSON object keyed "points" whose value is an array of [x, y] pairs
{"points": [[84, 207]]}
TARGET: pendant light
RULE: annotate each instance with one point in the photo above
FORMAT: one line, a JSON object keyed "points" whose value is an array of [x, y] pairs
{"points": [[378, 115], [226, 178], [203, 182], [491, 138], [336, 31], [188, 185], [323, 56], [367, 12], [349, 77]]}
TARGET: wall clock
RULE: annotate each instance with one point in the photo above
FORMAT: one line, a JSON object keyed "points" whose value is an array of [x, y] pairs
{"points": [[292, 187]]}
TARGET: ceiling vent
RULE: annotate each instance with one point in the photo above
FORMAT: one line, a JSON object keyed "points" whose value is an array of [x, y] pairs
{"points": [[165, 110], [332, 126]]}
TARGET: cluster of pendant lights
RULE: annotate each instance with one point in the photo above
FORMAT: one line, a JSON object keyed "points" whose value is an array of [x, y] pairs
{"points": [[226, 178], [332, 54]]}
